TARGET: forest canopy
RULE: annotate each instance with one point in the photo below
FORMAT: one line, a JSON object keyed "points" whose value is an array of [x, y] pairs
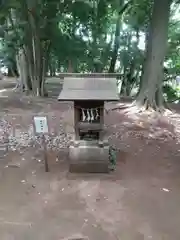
{"points": [[137, 38]]}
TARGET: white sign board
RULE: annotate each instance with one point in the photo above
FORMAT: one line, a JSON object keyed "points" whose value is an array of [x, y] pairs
{"points": [[41, 124]]}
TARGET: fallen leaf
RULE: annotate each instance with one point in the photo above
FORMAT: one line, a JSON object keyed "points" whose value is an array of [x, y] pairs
{"points": [[166, 190]]}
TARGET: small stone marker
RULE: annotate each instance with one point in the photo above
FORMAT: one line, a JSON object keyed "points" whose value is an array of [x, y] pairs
{"points": [[3, 149], [41, 128]]}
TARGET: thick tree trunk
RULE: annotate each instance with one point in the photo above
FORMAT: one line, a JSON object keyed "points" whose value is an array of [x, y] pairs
{"points": [[151, 95], [32, 60], [23, 71]]}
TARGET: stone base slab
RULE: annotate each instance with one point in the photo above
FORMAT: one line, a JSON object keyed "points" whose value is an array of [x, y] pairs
{"points": [[89, 158]]}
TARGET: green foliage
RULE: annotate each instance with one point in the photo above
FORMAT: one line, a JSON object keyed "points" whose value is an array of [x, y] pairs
{"points": [[139, 14], [112, 157], [171, 94], [81, 32]]}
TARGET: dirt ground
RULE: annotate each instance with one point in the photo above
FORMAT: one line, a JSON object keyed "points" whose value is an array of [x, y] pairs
{"points": [[138, 201]]}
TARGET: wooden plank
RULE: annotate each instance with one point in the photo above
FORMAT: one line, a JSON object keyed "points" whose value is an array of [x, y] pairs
{"points": [[90, 126]]}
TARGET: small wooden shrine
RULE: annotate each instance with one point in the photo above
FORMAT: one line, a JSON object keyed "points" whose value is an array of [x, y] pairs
{"points": [[89, 152]]}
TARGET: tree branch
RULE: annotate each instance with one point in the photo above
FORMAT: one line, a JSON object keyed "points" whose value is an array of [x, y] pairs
{"points": [[123, 8]]}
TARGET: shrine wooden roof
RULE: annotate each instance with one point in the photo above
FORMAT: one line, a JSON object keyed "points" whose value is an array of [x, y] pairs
{"points": [[89, 89]]}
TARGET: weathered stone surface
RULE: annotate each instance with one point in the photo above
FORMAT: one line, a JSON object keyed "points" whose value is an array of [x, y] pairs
{"points": [[89, 158]]}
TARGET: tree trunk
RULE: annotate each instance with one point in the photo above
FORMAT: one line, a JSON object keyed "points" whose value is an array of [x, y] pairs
{"points": [[130, 78], [23, 71], [70, 66], [12, 70], [117, 37], [34, 48], [50, 68], [116, 46], [150, 94], [127, 69]]}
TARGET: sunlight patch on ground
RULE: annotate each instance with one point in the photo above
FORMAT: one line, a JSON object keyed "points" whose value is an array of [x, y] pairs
{"points": [[151, 124], [176, 122], [134, 112], [2, 92]]}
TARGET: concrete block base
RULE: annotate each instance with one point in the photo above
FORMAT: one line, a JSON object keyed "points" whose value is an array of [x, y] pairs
{"points": [[88, 157]]}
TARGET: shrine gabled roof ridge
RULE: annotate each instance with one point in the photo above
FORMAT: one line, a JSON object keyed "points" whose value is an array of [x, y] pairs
{"points": [[89, 89]]}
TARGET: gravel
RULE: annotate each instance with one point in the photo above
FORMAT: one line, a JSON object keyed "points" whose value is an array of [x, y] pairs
{"points": [[16, 138]]}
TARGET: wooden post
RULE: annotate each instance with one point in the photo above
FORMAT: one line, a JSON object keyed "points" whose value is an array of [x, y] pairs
{"points": [[45, 154], [41, 128]]}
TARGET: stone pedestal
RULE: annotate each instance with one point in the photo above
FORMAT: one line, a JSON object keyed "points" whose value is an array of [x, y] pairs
{"points": [[89, 157]]}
